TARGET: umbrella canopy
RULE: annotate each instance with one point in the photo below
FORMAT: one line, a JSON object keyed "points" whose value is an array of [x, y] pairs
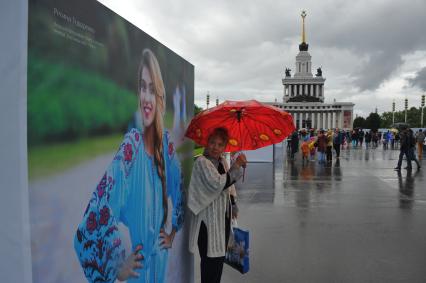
{"points": [[250, 124], [401, 126]]}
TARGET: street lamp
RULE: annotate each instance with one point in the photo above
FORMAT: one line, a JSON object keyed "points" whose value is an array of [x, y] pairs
{"points": [[406, 107], [423, 106], [393, 112], [208, 100]]}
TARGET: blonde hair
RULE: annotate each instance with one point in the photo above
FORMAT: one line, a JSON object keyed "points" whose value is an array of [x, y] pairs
{"points": [[150, 62]]}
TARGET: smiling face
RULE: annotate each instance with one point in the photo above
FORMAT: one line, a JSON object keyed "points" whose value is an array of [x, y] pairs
{"points": [[147, 98]]}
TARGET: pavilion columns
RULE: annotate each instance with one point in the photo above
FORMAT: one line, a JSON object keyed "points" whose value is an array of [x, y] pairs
{"points": [[324, 116], [329, 120], [333, 123], [325, 120], [306, 119], [319, 120]]}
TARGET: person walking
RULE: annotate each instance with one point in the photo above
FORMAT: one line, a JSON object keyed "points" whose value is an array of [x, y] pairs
{"points": [[404, 150], [375, 138], [329, 146], [420, 139], [397, 139], [354, 137], [386, 139], [322, 144], [337, 142], [305, 151], [367, 139], [294, 144], [412, 147], [392, 140], [361, 137], [348, 139]]}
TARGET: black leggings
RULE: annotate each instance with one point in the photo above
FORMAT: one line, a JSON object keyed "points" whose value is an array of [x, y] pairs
{"points": [[337, 149], [329, 153], [211, 267]]}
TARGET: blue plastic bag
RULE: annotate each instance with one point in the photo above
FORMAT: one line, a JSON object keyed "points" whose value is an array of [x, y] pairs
{"points": [[237, 253]]}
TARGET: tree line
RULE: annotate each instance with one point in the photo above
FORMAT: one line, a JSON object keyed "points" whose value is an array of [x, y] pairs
{"points": [[375, 121]]}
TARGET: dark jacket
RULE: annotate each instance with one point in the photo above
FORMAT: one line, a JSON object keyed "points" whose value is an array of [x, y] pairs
{"points": [[405, 140], [338, 138], [322, 143]]}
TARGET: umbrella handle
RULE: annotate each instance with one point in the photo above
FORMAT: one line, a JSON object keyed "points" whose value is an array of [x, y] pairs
{"points": [[244, 173]]}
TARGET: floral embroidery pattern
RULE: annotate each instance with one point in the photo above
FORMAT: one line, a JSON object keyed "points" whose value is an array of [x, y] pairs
{"points": [[101, 186], [128, 152], [104, 216], [91, 222], [97, 240]]}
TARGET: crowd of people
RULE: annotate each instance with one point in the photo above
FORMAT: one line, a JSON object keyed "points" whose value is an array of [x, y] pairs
{"points": [[323, 142]]}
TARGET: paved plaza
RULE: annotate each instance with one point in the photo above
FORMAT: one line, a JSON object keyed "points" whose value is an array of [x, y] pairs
{"points": [[357, 220]]}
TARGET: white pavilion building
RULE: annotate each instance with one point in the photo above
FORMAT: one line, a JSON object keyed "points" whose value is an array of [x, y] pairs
{"points": [[303, 95]]}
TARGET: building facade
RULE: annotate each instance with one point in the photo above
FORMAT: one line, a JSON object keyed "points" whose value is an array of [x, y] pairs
{"points": [[303, 95]]}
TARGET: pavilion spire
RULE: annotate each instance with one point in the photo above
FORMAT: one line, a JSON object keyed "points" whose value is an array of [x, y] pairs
{"points": [[303, 26], [303, 46]]}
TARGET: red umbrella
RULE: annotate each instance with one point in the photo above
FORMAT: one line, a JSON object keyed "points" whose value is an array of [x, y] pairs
{"points": [[250, 124]]}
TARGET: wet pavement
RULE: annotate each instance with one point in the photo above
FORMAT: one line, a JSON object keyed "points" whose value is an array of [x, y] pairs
{"points": [[356, 220]]}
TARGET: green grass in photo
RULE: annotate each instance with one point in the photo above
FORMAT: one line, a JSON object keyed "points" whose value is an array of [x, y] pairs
{"points": [[47, 160]]}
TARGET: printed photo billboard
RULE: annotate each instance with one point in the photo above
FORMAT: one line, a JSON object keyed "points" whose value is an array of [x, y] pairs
{"points": [[108, 164], [347, 119]]}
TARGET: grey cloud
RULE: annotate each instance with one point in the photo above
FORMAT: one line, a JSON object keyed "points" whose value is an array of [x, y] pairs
{"points": [[379, 67], [382, 32], [419, 80], [245, 45]]}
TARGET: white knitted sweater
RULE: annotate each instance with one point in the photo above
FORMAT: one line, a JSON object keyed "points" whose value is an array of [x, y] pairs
{"points": [[207, 201]]}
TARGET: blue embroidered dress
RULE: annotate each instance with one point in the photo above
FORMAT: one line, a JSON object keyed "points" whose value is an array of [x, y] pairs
{"points": [[129, 192]]}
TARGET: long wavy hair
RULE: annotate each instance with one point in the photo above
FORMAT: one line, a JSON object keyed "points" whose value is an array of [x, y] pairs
{"points": [[150, 62]]}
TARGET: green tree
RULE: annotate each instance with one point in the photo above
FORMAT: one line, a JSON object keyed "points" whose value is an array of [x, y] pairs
{"points": [[386, 120], [197, 109], [373, 121], [359, 122], [413, 118]]}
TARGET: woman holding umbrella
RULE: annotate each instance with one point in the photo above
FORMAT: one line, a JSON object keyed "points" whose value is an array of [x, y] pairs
{"points": [[230, 126], [210, 203]]}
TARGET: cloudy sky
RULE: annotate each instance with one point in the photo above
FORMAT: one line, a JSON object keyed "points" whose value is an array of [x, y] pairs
{"points": [[371, 52]]}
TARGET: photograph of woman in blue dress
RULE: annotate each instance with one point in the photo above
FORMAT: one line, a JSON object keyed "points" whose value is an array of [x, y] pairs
{"points": [[138, 187]]}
